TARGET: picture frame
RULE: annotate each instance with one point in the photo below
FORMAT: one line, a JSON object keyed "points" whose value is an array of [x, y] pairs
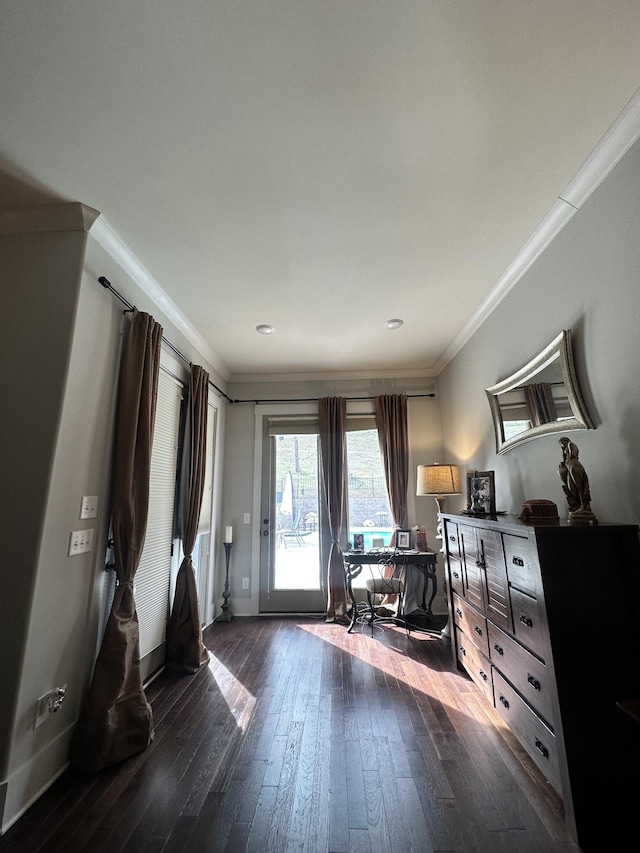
{"points": [[358, 541], [403, 539], [481, 493]]}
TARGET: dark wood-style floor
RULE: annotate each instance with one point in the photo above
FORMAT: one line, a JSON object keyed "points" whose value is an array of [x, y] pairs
{"points": [[299, 736]]}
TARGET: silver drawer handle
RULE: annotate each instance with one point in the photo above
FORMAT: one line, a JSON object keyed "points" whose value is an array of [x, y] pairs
{"points": [[518, 561], [456, 575], [504, 701], [533, 682], [477, 630], [458, 612], [483, 674], [499, 649], [463, 651], [526, 620]]}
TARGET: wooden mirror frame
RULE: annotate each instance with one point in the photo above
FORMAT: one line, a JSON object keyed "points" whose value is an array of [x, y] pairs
{"points": [[558, 350]]}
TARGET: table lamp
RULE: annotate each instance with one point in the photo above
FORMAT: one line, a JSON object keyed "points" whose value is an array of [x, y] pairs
{"points": [[439, 481]]}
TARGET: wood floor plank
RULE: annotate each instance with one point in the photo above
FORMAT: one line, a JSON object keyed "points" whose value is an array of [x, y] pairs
{"points": [[300, 737]]}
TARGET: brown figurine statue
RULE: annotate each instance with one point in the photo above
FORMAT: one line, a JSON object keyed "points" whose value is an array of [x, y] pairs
{"points": [[575, 484]]}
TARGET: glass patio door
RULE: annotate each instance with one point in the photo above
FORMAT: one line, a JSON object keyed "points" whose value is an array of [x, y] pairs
{"points": [[291, 542]]}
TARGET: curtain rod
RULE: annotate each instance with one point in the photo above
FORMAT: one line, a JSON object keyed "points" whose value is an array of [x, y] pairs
{"points": [[107, 284], [315, 399]]}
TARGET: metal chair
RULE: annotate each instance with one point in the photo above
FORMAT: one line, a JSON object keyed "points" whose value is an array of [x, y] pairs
{"points": [[380, 588]]}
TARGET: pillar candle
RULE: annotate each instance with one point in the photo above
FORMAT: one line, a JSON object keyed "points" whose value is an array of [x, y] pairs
{"points": [[228, 535]]}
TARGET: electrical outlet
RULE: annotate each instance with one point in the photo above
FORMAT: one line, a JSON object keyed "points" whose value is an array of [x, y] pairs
{"points": [[245, 583], [89, 506], [247, 518], [49, 704], [80, 542]]}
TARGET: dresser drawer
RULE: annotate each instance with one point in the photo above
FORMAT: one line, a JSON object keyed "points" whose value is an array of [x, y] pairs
{"points": [[528, 675], [528, 622], [455, 572], [538, 740], [472, 623], [451, 538], [521, 565], [475, 663]]}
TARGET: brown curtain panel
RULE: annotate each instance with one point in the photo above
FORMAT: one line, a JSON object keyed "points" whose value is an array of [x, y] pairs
{"points": [[116, 720], [332, 419], [185, 650], [393, 436], [540, 403]]}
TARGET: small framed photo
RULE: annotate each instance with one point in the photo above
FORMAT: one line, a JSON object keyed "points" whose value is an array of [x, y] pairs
{"points": [[481, 493], [403, 539], [358, 541]]}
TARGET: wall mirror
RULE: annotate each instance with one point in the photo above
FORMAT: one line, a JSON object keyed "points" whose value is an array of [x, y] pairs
{"points": [[542, 397]]}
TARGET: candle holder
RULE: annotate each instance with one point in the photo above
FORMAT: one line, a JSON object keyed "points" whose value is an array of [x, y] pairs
{"points": [[226, 615]]}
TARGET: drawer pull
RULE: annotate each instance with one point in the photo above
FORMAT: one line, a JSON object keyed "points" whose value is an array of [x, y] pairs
{"points": [[542, 749], [533, 682], [480, 563], [452, 539], [463, 651], [518, 561], [477, 630], [482, 675], [456, 575], [499, 649], [458, 612], [526, 620], [504, 701]]}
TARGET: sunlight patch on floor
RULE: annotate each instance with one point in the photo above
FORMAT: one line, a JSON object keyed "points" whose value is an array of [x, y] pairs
{"points": [[240, 701]]}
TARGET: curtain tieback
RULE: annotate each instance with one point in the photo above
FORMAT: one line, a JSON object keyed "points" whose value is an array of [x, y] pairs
{"points": [[125, 583]]}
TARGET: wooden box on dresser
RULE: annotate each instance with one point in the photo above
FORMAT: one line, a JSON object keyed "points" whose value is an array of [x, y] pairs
{"points": [[544, 618]]}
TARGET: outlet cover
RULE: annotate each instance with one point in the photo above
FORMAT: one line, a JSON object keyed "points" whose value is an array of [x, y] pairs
{"points": [[245, 583], [247, 518]]}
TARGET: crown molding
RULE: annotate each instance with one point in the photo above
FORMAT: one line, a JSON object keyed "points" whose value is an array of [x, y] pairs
{"points": [[111, 242], [608, 152], [329, 376], [42, 218]]}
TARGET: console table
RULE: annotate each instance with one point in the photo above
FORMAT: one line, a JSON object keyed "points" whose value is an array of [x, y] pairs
{"points": [[423, 561]]}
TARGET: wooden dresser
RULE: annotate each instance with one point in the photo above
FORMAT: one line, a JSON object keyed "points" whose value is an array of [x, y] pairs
{"points": [[544, 618]]}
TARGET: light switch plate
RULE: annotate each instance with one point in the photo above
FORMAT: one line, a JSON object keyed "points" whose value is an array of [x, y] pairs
{"points": [[89, 506], [80, 542]]}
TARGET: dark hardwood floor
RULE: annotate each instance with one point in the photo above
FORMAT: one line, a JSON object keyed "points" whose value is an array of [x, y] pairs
{"points": [[299, 736]]}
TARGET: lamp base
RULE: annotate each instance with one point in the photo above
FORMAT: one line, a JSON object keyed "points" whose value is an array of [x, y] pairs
{"points": [[440, 502]]}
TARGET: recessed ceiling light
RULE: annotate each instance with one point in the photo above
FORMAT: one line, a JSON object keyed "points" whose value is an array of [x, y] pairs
{"points": [[265, 329], [394, 324]]}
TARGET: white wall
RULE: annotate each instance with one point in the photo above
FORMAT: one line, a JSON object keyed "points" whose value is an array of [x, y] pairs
{"points": [[588, 280], [64, 332]]}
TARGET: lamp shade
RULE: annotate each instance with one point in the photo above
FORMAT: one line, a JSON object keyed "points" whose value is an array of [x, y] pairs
{"points": [[438, 480]]}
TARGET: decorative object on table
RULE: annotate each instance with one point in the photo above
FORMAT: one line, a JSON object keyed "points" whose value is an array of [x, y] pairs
{"points": [[575, 484], [439, 481], [358, 541], [538, 510], [481, 493], [226, 615], [419, 538], [403, 539]]}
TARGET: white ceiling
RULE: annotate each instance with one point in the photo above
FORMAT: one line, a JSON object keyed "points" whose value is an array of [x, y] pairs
{"points": [[320, 165]]}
